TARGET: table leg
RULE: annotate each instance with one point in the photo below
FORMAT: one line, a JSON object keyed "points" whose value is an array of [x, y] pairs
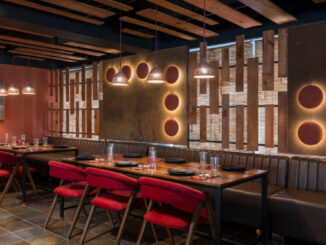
{"points": [[264, 209], [76, 152], [24, 177], [218, 216], [62, 207]]}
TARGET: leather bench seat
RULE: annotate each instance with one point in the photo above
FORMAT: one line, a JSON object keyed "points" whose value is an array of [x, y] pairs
{"points": [[129, 147]]}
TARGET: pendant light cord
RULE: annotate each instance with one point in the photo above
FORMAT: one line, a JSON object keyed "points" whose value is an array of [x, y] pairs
{"points": [[2, 66], [204, 20], [156, 13], [120, 39]]}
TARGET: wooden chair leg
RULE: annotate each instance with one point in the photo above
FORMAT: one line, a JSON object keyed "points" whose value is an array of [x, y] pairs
{"points": [[193, 223], [152, 225], [125, 216], [108, 212], [172, 242], [143, 226], [78, 210], [17, 185], [31, 180], [90, 215], [9, 183], [54, 202], [209, 209]]}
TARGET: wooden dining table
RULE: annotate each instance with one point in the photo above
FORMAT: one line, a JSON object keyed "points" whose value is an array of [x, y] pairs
{"points": [[29, 151], [225, 179]]}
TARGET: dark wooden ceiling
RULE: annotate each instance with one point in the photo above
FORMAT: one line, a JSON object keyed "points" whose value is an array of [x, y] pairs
{"points": [[60, 32]]}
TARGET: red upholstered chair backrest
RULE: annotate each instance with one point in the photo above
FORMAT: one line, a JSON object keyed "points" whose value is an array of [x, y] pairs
{"points": [[8, 160], [169, 192], [109, 180], [66, 171]]}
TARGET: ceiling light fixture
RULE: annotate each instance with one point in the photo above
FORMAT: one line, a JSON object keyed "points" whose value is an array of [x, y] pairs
{"points": [[12, 90], [204, 69], [28, 90]]}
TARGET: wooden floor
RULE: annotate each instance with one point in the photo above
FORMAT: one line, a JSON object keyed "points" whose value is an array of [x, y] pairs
{"points": [[21, 225]]}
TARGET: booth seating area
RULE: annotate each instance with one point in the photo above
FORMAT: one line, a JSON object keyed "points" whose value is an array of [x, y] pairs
{"points": [[296, 185]]}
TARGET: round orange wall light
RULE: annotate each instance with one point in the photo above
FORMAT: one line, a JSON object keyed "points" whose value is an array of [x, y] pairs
{"points": [[171, 127], [110, 74], [127, 71], [171, 74], [142, 70], [310, 96], [310, 133], [171, 102]]}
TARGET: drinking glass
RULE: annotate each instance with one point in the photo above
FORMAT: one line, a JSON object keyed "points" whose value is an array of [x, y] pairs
{"points": [[23, 139], [36, 143], [110, 153], [6, 138], [152, 157], [45, 142], [214, 165], [203, 157], [14, 140]]}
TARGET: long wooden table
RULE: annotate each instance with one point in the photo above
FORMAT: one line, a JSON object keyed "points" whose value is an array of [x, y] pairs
{"points": [[226, 179], [29, 151]]}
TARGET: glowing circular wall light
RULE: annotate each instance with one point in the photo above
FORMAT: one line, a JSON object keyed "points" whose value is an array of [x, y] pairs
{"points": [[142, 70], [171, 127], [310, 133], [127, 71], [171, 74], [171, 102], [310, 96], [110, 74]]}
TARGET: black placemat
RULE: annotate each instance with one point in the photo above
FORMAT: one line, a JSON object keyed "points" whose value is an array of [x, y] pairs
{"points": [[32, 143], [175, 160], [132, 155], [231, 168], [84, 158], [59, 146], [20, 147], [126, 164], [181, 172]]}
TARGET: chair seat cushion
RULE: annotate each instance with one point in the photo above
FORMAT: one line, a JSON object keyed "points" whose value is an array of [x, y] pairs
{"points": [[20, 170], [171, 217], [116, 200], [5, 173], [75, 189]]}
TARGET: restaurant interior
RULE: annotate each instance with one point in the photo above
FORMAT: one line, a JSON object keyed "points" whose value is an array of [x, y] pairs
{"points": [[160, 121]]}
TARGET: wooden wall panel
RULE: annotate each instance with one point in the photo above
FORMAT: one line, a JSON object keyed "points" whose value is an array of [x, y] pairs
{"points": [[89, 107], [203, 123], [51, 119], [101, 77], [214, 90], [225, 65], [268, 60], [67, 84], [239, 111], [61, 101], [56, 81], [282, 52], [51, 82], [192, 85], [83, 82], [282, 122], [269, 126], [239, 63], [100, 123], [57, 122], [77, 119], [225, 121], [83, 123], [72, 96], [67, 122], [252, 115], [95, 90], [96, 121], [77, 82], [203, 86]]}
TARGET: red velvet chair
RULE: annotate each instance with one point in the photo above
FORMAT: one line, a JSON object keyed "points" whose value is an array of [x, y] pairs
{"points": [[10, 168], [78, 188], [116, 192], [180, 207]]}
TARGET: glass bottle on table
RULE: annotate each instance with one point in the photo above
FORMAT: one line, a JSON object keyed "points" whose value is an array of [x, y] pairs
{"points": [[45, 142], [110, 153], [152, 157], [6, 138], [23, 139], [36, 143], [14, 140]]}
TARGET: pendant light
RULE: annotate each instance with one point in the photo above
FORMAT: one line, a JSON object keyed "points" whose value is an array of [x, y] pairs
{"points": [[28, 90], [3, 90], [12, 90], [204, 69], [156, 75], [120, 79]]}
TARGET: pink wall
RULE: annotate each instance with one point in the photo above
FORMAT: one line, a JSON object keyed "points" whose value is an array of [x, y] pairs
{"points": [[25, 114]]}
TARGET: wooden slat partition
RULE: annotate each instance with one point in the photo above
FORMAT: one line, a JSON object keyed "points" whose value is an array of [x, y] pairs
{"points": [[268, 60], [269, 125], [72, 96], [83, 82], [203, 123], [57, 119], [100, 120], [83, 123], [252, 115], [192, 116], [51, 119], [61, 101], [67, 84], [225, 65], [77, 119], [67, 122], [51, 82], [101, 77], [214, 90], [95, 90], [282, 122], [203, 86], [239, 63], [282, 52], [77, 82], [96, 121], [239, 111], [56, 84], [89, 108], [225, 121]]}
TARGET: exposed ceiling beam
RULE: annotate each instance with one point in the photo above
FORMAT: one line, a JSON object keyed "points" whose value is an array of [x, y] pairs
{"points": [[34, 47], [137, 33], [55, 11], [175, 22], [93, 47], [25, 31], [319, 1], [28, 58], [159, 28], [115, 4], [49, 45], [81, 7], [270, 10], [226, 12], [2, 46], [41, 56], [34, 51], [176, 8]]}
